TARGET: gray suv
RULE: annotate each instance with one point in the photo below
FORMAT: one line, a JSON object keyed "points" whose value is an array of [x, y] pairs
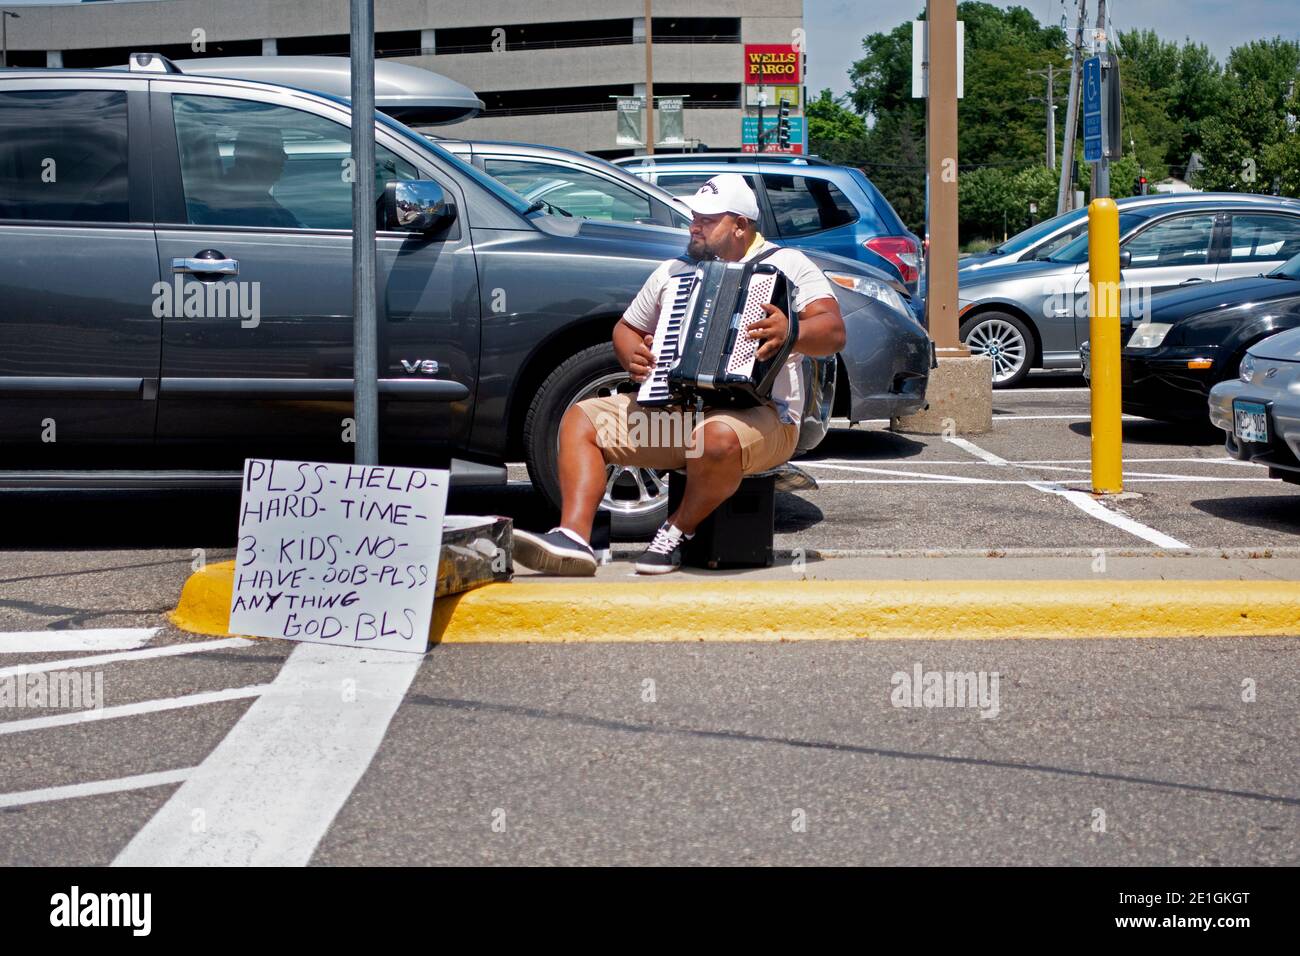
{"points": [[175, 272]]}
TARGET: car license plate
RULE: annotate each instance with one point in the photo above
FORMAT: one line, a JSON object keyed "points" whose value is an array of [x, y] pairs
{"points": [[1251, 422]]}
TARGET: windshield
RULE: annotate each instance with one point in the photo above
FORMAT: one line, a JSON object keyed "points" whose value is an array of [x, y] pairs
{"points": [[1077, 251], [512, 199], [1289, 269], [1023, 240]]}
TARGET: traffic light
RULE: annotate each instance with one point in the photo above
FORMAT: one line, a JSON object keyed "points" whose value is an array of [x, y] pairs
{"points": [[1140, 187], [783, 125]]}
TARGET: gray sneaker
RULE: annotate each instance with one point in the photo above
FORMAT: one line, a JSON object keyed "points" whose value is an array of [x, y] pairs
{"points": [[665, 551], [553, 553]]}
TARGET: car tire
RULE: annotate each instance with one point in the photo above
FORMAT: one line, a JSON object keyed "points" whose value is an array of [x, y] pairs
{"points": [[1006, 339], [638, 502]]}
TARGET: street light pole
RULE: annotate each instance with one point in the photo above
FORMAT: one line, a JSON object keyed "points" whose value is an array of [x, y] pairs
{"points": [[649, 82], [1064, 195], [365, 331], [4, 35]]}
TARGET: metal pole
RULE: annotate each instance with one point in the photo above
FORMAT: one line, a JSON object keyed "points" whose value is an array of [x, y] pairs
{"points": [[1050, 75], [365, 332], [1064, 195], [1051, 118], [1101, 170], [649, 82], [941, 177], [1103, 338]]}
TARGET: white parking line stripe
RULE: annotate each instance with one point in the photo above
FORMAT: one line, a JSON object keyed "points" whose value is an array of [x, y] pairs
{"points": [[924, 462], [272, 787], [957, 479], [977, 451], [94, 788], [1089, 505], [131, 710], [101, 639], [1082, 500], [167, 650], [1045, 418], [1128, 460], [1140, 474], [926, 480]]}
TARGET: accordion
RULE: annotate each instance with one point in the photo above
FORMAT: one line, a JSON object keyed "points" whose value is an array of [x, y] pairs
{"points": [[701, 347]]}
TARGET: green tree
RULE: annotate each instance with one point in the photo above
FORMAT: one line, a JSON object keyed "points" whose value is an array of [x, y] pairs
{"points": [[829, 121], [1247, 145]]}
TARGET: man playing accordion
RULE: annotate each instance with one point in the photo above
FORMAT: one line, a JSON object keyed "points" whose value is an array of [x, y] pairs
{"points": [[723, 444]]}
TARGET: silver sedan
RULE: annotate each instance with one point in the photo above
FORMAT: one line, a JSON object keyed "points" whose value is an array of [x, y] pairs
{"points": [[1260, 409], [1035, 314]]}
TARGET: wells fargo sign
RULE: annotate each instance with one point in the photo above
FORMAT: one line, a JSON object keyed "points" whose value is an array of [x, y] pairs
{"points": [[771, 63]]}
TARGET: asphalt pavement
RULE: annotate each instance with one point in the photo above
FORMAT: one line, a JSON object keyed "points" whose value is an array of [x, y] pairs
{"points": [[1155, 751]]}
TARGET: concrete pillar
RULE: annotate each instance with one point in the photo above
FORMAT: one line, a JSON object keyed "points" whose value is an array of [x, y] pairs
{"points": [[959, 400], [426, 43], [269, 48], [54, 59]]}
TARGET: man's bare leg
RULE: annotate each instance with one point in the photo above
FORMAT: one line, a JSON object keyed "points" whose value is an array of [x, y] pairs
{"points": [[582, 472], [711, 478]]}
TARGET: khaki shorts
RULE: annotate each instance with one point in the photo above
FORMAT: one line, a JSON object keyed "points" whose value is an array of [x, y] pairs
{"points": [[664, 438]]}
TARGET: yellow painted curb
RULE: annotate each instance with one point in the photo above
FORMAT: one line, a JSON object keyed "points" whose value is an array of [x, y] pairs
{"points": [[824, 610]]}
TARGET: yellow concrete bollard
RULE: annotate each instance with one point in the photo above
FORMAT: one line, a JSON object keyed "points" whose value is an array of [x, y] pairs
{"points": [[1103, 338]]}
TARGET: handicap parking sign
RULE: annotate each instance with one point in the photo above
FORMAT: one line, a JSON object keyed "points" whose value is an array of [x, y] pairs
{"points": [[1092, 110]]}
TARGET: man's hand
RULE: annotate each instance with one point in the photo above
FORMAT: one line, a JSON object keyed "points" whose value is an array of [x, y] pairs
{"points": [[772, 329], [642, 360]]}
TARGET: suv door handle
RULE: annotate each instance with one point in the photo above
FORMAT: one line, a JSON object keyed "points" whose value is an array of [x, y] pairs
{"points": [[202, 265], [1191, 280]]}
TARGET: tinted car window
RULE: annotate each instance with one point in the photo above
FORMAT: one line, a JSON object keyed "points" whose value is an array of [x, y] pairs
{"points": [[1060, 242], [683, 184], [1035, 233], [1181, 241], [245, 163], [1076, 250], [802, 205], [574, 190], [1264, 238], [63, 155]]}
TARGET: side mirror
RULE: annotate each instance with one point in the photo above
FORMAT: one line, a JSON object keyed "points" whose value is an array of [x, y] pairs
{"points": [[1125, 258], [417, 205]]}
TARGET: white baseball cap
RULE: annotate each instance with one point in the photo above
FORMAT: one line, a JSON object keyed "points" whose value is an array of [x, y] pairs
{"points": [[726, 192]]}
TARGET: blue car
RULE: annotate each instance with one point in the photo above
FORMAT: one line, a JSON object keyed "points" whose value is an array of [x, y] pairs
{"points": [[806, 203]]}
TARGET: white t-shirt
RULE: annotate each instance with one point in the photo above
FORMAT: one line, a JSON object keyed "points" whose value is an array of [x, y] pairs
{"points": [[810, 285]]}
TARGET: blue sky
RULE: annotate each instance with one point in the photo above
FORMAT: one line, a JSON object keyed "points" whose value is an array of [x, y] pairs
{"points": [[836, 27]]}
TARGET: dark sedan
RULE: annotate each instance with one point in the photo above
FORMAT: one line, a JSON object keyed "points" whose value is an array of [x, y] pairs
{"points": [[1193, 338]]}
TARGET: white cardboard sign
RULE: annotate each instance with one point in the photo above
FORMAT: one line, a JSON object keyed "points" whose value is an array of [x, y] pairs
{"points": [[337, 553]]}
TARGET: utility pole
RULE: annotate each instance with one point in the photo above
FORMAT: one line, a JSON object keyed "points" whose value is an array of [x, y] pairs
{"points": [[649, 83], [1049, 73], [365, 322], [1101, 170], [1064, 195], [941, 177]]}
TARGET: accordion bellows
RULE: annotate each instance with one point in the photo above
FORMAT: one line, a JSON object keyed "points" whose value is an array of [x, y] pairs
{"points": [[701, 349]]}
